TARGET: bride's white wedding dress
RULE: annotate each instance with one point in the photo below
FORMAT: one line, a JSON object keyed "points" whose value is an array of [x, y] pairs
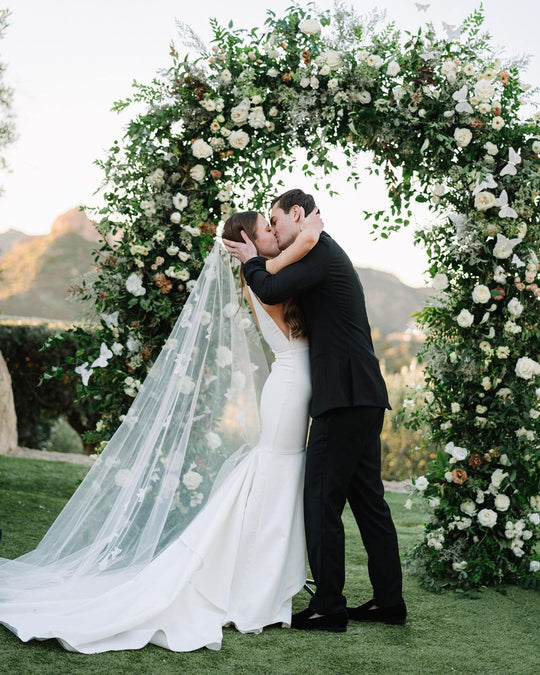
{"points": [[239, 561]]}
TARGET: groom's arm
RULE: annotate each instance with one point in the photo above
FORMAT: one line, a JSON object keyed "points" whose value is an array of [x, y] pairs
{"points": [[292, 280]]}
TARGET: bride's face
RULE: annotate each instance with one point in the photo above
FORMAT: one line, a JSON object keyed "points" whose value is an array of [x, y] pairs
{"points": [[266, 243]]}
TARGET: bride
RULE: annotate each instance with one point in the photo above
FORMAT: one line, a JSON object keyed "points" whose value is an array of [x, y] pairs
{"points": [[191, 518]]}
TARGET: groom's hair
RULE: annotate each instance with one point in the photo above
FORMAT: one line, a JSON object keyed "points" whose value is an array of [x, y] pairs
{"points": [[292, 198]]}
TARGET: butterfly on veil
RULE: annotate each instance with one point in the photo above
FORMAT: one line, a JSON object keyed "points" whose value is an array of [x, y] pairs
{"points": [[485, 184], [506, 211], [452, 31], [462, 104], [104, 355], [514, 158], [421, 7], [84, 372]]}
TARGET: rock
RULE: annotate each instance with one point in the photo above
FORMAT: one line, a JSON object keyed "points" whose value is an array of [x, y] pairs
{"points": [[8, 418]]}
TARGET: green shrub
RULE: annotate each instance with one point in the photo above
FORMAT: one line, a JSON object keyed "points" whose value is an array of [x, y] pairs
{"points": [[40, 401]]}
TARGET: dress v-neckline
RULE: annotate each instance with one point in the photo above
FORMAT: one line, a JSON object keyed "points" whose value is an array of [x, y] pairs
{"points": [[268, 314]]}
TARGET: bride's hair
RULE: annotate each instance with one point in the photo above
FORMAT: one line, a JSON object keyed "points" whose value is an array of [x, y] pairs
{"points": [[247, 221]]}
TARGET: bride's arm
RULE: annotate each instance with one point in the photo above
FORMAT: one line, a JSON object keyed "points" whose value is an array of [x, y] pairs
{"points": [[311, 227]]}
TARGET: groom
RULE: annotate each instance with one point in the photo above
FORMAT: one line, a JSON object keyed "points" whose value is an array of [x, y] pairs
{"points": [[343, 457]]}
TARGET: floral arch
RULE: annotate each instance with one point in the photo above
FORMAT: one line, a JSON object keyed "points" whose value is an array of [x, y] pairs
{"points": [[442, 118]]}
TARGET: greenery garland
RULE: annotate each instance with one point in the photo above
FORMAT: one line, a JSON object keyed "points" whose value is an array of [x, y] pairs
{"points": [[441, 116]]}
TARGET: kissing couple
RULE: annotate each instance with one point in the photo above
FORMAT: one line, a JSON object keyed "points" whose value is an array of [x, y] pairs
{"points": [[180, 528]]}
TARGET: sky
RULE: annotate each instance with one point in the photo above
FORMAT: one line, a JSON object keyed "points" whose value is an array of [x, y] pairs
{"points": [[68, 60]]}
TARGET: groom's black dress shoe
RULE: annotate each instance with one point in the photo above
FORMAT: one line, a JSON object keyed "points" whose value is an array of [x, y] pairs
{"points": [[334, 623], [396, 614]]}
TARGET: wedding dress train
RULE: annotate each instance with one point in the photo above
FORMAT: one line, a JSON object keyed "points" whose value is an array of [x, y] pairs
{"points": [[239, 561]]}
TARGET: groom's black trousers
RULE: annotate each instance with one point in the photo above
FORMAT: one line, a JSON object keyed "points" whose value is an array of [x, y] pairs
{"points": [[343, 463]]}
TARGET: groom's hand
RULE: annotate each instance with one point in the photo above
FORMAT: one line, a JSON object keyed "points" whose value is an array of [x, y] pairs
{"points": [[312, 222], [242, 251]]}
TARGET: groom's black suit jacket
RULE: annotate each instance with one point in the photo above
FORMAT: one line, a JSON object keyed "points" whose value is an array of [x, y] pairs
{"points": [[344, 369]]}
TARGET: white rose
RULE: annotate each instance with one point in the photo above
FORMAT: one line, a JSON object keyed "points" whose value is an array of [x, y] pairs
{"points": [[484, 90], [484, 201], [487, 517], [363, 97], [502, 502], [439, 282], [117, 348], [534, 566], [421, 483], [310, 26], [239, 113], [175, 217], [526, 368], [314, 82], [515, 308], [486, 383], [536, 147], [393, 68], [325, 70], [223, 356], [455, 407], [481, 294], [459, 566], [273, 111], [331, 58], [448, 477], [134, 285], [213, 440], [197, 172], [465, 319], [534, 518], [497, 123], [273, 72], [468, 507], [333, 84], [192, 480], [304, 82], [201, 149], [463, 137], [172, 250], [238, 139], [491, 148]]}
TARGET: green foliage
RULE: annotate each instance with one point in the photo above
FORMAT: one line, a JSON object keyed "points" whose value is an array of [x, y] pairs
{"points": [[40, 398]]}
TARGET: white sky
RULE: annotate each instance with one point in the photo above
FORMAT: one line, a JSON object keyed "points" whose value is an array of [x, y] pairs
{"points": [[68, 60]]}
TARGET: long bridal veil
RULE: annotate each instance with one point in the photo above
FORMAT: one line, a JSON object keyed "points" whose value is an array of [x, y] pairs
{"points": [[194, 418]]}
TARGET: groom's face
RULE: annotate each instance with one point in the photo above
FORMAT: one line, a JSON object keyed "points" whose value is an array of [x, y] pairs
{"points": [[285, 225]]}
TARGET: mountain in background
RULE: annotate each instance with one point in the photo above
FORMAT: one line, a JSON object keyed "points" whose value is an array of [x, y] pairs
{"points": [[11, 238], [36, 272]]}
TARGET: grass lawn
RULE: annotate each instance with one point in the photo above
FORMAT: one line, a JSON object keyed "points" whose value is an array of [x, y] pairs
{"points": [[495, 634]]}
